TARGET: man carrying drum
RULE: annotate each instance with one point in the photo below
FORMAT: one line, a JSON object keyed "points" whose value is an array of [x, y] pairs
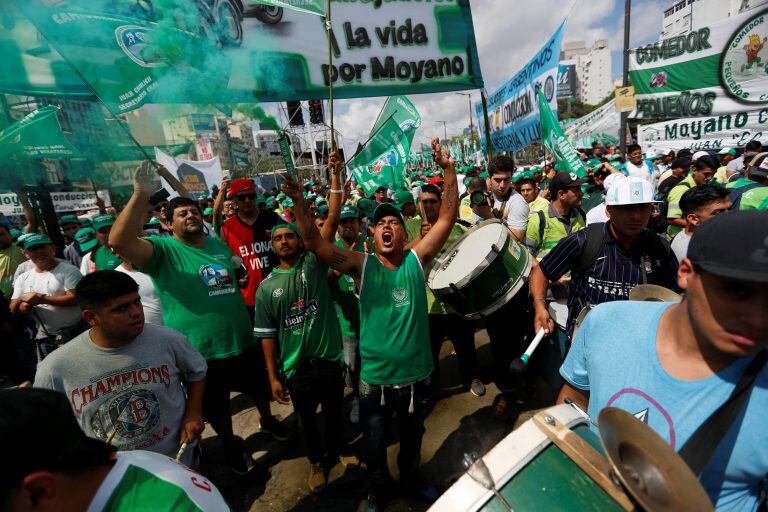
{"points": [[394, 332], [606, 260], [675, 365]]}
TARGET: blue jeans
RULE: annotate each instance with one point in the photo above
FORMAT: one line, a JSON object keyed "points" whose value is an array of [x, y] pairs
{"points": [[376, 421]]}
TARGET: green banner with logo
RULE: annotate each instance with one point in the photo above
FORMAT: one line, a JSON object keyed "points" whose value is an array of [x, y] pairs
{"points": [[714, 69], [382, 161], [131, 53], [310, 6], [566, 158], [403, 112], [37, 135]]}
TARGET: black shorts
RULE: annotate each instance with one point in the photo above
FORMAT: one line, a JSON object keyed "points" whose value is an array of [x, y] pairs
{"points": [[245, 373]]}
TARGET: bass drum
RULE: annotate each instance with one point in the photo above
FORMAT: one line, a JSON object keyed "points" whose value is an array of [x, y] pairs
{"points": [[481, 271]]}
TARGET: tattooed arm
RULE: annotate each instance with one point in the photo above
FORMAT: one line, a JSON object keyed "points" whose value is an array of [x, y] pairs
{"points": [[347, 262], [430, 244]]}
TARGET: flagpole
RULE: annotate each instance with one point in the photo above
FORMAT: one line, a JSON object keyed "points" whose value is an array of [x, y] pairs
{"points": [[330, 68]]}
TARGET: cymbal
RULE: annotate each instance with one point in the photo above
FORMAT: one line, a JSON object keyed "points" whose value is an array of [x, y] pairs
{"points": [[649, 469], [654, 293]]}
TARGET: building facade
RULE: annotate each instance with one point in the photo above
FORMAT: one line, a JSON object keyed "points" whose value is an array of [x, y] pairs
{"points": [[684, 15], [593, 69]]}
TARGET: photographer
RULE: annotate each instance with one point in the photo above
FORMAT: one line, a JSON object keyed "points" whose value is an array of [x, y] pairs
{"points": [[503, 202]]}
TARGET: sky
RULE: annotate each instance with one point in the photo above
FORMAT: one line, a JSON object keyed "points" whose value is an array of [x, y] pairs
{"points": [[508, 34]]}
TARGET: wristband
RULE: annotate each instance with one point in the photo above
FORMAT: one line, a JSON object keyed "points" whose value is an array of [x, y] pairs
{"points": [[336, 191], [540, 298]]}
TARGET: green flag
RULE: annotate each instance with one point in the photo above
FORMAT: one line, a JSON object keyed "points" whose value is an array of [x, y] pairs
{"points": [[37, 135], [554, 140], [382, 160], [310, 6], [404, 113]]}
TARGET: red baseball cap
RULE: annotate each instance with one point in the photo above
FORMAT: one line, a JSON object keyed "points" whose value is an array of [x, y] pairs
{"points": [[241, 185], [436, 180]]}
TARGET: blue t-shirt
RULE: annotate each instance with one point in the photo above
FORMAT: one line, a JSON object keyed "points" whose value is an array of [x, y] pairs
{"points": [[614, 358]]}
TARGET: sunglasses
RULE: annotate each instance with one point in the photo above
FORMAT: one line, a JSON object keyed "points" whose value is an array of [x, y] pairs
{"points": [[245, 197]]}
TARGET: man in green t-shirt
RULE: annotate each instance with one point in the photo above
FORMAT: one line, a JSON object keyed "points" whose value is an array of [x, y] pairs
{"points": [[196, 279], [103, 257], [443, 320], [296, 320], [394, 329]]}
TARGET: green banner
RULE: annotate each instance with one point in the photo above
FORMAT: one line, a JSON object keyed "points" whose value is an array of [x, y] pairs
{"points": [[566, 158], [285, 154], [403, 112], [131, 53], [37, 135], [310, 6], [382, 160]]}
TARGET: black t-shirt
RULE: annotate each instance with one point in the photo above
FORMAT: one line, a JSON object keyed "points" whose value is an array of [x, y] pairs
{"points": [[668, 184]]}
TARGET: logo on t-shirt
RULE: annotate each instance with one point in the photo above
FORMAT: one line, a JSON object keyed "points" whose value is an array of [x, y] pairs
{"points": [[400, 296], [648, 410], [216, 275], [303, 311], [130, 414], [278, 292]]}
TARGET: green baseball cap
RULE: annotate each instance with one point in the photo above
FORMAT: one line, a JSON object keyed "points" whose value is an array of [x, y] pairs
{"points": [[288, 202], [349, 211], [322, 209], [85, 222], [402, 198], [280, 196], [387, 210], [366, 205], [69, 218], [86, 239], [208, 211], [483, 175], [15, 234], [35, 239], [260, 200], [103, 220], [417, 184], [271, 202], [285, 225], [154, 221], [320, 200]]}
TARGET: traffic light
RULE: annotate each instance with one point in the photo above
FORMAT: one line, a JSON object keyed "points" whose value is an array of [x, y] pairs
{"points": [[316, 111], [295, 117]]}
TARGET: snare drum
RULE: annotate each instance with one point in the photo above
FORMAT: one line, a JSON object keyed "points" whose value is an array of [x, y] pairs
{"points": [[532, 474], [481, 271]]}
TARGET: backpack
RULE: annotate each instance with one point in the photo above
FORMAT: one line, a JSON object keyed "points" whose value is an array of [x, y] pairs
{"points": [[658, 222], [543, 222]]}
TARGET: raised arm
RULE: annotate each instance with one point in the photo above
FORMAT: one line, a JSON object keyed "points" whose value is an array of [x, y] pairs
{"points": [[431, 243], [124, 237], [348, 262], [32, 224], [335, 197], [218, 203]]}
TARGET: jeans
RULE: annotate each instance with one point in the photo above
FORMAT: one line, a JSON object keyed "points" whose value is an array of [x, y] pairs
{"points": [[351, 363], [376, 420], [462, 334], [319, 382], [509, 329]]}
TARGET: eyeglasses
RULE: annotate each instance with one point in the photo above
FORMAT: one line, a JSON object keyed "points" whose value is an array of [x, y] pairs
{"points": [[246, 197]]}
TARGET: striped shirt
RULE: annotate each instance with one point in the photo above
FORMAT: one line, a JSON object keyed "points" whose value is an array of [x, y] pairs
{"points": [[613, 273]]}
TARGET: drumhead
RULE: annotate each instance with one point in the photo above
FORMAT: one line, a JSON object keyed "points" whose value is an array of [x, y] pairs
{"points": [[558, 310], [470, 254]]}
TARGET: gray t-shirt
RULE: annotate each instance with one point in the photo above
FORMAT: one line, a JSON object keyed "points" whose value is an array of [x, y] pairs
{"points": [[679, 245], [135, 389], [514, 211]]}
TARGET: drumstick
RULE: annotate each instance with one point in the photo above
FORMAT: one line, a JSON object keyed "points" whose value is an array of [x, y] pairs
{"points": [[518, 365], [112, 435], [181, 450]]}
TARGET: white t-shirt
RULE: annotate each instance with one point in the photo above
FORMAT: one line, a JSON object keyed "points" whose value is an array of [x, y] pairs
{"points": [[642, 171], [150, 301], [87, 266], [60, 279], [679, 245], [597, 214], [515, 213]]}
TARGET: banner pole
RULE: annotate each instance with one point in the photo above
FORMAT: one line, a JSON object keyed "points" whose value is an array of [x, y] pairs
{"points": [[330, 69], [487, 125], [625, 78]]}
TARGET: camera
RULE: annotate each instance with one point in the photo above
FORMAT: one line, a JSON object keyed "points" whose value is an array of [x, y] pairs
{"points": [[479, 198]]}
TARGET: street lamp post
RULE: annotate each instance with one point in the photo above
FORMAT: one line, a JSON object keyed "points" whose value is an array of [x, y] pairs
{"points": [[445, 129], [471, 125]]}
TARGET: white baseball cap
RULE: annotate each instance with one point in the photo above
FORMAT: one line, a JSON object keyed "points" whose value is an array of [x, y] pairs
{"points": [[630, 190], [698, 155], [610, 180], [651, 154], [727, 151], [667, 152]]}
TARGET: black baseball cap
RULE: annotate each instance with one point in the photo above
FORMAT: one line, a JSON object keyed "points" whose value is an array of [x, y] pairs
{"points": [[43, 435], [564, 180], [732, 246], [386, 210]]}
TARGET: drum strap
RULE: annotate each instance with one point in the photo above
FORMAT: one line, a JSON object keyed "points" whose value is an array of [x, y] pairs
{"points": [[702, 444]]}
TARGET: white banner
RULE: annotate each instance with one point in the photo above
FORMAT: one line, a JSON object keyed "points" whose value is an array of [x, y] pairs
{"points": [[198, 177], [603, 120], [62, 202], [698, 133]]}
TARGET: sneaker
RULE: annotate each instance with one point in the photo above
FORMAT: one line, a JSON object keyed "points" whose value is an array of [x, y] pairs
{"points": [[274, 428], [354, 414], [316, 478], [238, 460], [476, 387]]}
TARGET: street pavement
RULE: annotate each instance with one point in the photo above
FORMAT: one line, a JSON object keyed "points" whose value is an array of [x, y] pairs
{"points": [[459, 423]]}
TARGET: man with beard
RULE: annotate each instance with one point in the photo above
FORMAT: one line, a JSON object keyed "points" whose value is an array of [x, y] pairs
{"points": [[296, 321], [121, 360], [196, 279], [394, 329], [677, 365]]}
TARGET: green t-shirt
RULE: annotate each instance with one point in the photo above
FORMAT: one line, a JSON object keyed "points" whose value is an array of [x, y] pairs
{"points": [[347, 302], [394, 327], [755, 199], [741, 182], [593, 196], [199, 295], [413, 226], [104, 259], [296, 307], [10, 259]]}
